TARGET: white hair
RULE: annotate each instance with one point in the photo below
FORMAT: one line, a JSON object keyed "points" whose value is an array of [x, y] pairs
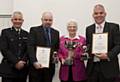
{"points": [[72, 21], [17, 13]]}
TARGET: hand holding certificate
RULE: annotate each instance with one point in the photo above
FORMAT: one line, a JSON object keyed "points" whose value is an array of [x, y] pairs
{"points": [[100, 43], [43, 56]]}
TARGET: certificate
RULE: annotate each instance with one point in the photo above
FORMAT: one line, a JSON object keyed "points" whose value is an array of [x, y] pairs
{"points": [[43, 56], [100, 43]]}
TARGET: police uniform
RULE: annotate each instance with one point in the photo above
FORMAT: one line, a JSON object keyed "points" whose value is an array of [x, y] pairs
{"points": [[14, 49]]}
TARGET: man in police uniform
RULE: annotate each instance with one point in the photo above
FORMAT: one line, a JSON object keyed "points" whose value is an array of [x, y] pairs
{"points": [[14, 66]]}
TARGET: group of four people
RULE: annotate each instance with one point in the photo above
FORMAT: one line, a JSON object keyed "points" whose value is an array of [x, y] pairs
{"points": [[19, 47]]}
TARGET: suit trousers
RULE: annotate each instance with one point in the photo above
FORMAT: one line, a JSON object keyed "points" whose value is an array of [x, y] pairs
{"points": [[97, 75], [42, 75]]}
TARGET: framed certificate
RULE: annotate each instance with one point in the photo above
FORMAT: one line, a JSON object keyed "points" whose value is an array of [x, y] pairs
{"points": [[100, 43], [43, 56]]}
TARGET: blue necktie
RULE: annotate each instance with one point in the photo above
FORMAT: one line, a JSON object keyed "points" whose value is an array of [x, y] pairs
{"points": [[48, 37]]}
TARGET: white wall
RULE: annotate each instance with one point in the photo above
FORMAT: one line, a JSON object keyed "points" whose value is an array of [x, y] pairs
{"points": [[63, 10], [6, 7]]}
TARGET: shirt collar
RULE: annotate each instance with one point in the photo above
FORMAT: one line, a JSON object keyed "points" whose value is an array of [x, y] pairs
{"points": [[102, 24], [16, 29], [76, 37]]}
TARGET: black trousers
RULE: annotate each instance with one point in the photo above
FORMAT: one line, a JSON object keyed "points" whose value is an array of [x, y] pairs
{"points": [[14, 79], [97, 75], [42, 75]]}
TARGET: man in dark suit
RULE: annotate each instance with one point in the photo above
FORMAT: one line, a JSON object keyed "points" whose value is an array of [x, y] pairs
{"points": [[14, 66], [47, 37], [102, 67]]}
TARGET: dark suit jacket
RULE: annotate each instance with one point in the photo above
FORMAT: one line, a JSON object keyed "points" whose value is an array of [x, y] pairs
{"points": [[37, 38], [14, 49], [109, 68]]}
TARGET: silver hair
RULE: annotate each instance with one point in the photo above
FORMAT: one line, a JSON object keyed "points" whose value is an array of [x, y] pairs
{"points": [[99, 5], [47, 13], [15, 13]]}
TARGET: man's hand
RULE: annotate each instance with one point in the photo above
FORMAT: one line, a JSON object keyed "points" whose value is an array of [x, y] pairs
{"points": [[37, 65], [19, 65], [102, 56]]}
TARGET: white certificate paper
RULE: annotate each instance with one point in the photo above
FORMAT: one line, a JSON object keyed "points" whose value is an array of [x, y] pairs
{"points": [[43, 56], [100, 43]]}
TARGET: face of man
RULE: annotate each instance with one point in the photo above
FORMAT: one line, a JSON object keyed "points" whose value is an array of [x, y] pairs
{"points": [[17, 20], [72, 28], [47, 19], [99, 14]]}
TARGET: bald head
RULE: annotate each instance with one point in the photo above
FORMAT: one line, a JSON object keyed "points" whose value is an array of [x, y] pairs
{"points": [[47, 19]]}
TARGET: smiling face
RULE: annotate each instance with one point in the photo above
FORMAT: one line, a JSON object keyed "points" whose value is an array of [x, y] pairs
{"points": [[47, 19], [17, 19], [99, 14], [72, 27]]}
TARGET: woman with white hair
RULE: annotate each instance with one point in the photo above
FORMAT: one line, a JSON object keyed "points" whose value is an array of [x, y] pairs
{"points": [[72, 68]]}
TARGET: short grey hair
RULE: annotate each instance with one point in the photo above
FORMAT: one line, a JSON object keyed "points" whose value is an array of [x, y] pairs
{"points": [[99, 5], [15, 13], [47, 13]]}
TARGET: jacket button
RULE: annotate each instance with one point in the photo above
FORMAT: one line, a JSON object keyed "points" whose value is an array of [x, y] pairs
{"points": [[19, 45], [19, 38]]}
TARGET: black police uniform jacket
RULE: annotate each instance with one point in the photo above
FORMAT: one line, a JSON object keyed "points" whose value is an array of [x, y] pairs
{"points": [[13, 49]]}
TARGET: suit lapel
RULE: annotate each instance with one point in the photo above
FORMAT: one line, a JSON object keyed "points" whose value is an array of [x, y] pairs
{"points": [[52, 36], [106, 27], [93, 29], [13, 32], [42, 35], [104, 30], [41, 32]]}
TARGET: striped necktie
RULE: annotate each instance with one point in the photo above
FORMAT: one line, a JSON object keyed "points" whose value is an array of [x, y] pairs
{"points": [[99, 29]]}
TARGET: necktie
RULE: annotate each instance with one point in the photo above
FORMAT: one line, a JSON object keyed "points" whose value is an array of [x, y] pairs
{"points": [[18, 31], [99, 29], [48, 40], [19, 42]]}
